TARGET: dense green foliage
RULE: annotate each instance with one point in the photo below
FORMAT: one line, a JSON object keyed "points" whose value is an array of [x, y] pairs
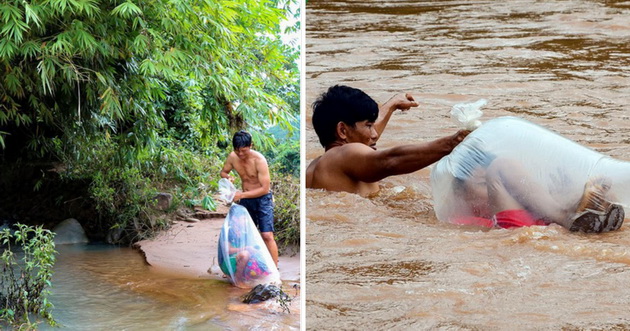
{"points": [[286, 191], [284, 161], [134, 97], [120, 69], [25, 279], [285, 156]]}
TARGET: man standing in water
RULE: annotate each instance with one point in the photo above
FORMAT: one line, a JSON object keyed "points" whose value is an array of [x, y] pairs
{"points": [[348, 123], [256, 197]]}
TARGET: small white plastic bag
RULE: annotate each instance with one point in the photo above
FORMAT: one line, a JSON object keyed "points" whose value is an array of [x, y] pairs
{"points": [[467, 114], [226, 190]]}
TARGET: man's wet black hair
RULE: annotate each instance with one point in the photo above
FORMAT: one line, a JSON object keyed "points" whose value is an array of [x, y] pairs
{"points": [[242, 139], [341, 104]]}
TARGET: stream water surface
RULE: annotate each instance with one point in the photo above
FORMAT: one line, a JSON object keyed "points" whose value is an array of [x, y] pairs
{"points": [[386, 261], [99, 287]]}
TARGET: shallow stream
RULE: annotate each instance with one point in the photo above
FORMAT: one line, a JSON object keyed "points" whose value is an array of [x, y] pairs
{"points": [[99, 287]]}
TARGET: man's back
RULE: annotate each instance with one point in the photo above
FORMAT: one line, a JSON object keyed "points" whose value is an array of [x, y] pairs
{"points": [[348, 123]]}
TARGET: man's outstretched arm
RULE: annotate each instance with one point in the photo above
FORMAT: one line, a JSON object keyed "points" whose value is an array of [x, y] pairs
{"points": [[402, 101], [371, 166]]}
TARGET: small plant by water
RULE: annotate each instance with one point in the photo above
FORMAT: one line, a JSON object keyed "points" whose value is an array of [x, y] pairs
{"points": [[284, 299], [27, 263]]}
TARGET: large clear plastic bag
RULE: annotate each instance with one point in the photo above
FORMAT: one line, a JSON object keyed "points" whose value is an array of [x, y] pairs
{"points": [[243, 256], [560, 168]]}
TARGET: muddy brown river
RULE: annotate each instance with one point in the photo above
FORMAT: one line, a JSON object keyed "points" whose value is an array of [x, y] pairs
{"points": [[386, 262], [102, 287]]}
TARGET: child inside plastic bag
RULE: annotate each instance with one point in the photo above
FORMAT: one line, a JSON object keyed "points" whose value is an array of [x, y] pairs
{"points": [[512, 173], [243, 256]]}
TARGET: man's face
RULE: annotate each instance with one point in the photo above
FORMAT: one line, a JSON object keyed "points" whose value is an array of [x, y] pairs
{"points": [[243, 152], [362, 132]]}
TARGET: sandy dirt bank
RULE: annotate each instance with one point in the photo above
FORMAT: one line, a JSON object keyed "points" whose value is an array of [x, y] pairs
{"points": [[190, 249]]}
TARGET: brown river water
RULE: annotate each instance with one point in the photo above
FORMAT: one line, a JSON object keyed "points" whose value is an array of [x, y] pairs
{"points": [[386, 262], [100, 287]]}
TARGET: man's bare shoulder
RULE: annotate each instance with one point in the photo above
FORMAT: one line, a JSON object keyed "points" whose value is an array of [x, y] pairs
{"points": [[314, 163], [347, 151], [333, 162], [356, 147], [231, 157], [341, 154], [258, 156]]}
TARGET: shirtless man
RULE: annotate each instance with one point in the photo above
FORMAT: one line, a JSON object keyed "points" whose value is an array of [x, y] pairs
{"points": [[348, 123], [252, 167]]}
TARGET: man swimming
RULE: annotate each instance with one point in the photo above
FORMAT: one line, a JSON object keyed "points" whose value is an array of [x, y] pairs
{"points": [[348, 123]]}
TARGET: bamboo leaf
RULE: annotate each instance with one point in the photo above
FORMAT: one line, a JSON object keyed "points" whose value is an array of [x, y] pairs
{"points": [[7, 48], [14, 29], [30, 49], [126, 10], [10, 13], [12, 82], [2, 134], [31, 15], [89, 7], [111, 104], [47, 71]]}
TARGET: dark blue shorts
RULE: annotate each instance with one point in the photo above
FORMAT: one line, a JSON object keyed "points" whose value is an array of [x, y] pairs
{"points": [[261, 211]]}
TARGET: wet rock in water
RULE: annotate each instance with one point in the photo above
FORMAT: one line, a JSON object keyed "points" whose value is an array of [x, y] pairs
{"points": [[263, 292], [215, 270], [163, 201], [114, 236], [69, 231]]}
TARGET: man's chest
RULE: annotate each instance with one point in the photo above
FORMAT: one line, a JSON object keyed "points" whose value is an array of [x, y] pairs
{"points": [[246, 169]]}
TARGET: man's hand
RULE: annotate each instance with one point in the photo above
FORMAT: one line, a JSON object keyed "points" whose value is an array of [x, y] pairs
{"points": [[459, 137], [238, 195], [402, 101]]}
